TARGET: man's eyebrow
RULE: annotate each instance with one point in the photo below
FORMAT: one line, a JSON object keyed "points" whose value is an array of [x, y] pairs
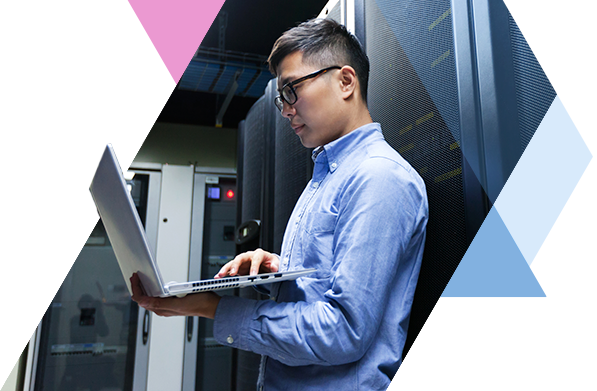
{"points": [[286, 80]]}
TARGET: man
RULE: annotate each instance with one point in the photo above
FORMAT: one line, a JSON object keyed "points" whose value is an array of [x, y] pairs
{"points": [[360, 222]]}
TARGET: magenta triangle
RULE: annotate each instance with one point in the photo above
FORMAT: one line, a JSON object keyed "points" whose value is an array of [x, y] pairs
{"points": [[176, 28]]}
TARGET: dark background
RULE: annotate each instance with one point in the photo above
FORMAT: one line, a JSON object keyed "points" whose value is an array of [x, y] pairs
{"points": [[253, 27]]}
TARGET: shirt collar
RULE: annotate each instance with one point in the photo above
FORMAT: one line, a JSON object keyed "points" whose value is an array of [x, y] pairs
{"points": [[337, 150]]}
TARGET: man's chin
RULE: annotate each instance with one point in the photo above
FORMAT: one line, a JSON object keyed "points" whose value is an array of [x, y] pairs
{"points": [[306, 143]]}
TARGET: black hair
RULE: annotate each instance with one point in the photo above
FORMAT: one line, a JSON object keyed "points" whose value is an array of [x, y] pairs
{"points": [[324, 43]]}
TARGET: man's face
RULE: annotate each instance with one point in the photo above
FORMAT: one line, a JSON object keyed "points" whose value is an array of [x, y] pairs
{"points": [[316, 115]]}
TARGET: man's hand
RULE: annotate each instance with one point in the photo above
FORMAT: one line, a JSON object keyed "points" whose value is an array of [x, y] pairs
{"points": [[196, 304], [251, 263]]}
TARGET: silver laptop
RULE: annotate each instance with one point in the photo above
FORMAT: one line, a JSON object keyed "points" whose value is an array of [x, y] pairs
{"points": [[125, 231]]}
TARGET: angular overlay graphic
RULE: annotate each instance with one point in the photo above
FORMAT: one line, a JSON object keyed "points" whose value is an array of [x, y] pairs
{"points": [[176, 28], [493, 267], [31, 282], [51, 147], [4, 372], [543, 180], [543, 217]]}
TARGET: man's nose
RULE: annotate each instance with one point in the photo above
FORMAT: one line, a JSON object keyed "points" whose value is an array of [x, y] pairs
{"points": [[288, 111]]}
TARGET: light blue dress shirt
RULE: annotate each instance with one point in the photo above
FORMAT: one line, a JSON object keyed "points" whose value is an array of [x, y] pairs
{"points": [[361, 223]]}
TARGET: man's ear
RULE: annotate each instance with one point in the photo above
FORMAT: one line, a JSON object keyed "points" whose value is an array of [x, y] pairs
{"points": [[348, 81]]}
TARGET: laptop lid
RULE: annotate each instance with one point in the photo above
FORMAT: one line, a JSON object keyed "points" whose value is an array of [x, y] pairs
{"points": [[123, 225]]}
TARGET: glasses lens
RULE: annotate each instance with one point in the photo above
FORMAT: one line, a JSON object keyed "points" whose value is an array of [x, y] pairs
{"points": [[289, 95]]}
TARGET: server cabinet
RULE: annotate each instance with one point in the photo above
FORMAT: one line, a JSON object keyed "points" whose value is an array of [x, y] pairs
{"points": [[413, 94], [92, 335], [452, 85], [254, 202], [212, 245]]}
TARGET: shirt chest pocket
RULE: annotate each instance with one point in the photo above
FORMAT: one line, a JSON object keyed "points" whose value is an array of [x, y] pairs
{"points": [[317, 242]]}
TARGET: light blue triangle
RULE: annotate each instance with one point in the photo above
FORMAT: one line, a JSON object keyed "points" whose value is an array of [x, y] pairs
{"points": [[493, 267], [539, 245], [543, 180]]}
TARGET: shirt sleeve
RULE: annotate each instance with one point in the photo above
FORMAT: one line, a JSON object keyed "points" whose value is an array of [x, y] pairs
{"points": [[382, 211]]}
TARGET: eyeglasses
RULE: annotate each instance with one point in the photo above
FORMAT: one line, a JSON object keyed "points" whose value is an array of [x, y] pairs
{"points": [[288, 93]]}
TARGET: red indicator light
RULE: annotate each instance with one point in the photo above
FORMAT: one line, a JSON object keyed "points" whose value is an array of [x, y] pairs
{"points": [[230, 194]]}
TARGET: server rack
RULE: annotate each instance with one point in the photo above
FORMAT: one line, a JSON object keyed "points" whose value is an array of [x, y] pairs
{"points": [[459, 94], [255, 170], [255, 205], [413, 94], [250, 179]]}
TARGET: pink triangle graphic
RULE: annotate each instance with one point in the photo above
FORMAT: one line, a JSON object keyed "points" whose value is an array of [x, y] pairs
{"points": [[176, 28]]}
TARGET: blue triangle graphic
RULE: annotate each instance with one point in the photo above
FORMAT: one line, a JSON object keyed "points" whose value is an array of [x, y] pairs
{"points": [[493, 267], [548, 203]]}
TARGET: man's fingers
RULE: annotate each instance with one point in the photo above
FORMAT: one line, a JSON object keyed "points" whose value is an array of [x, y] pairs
{"points": [[136, 287], [273, 263], [249, 261], [227, 269], [239, 261], [273, 267], [152, 304], [224, 270], [234, 267], [256, 261], [231, 268]]}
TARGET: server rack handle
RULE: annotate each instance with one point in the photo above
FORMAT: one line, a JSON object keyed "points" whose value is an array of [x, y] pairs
{"points": [[145, 327]]}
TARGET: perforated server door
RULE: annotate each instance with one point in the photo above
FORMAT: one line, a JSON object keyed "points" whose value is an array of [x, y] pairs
{"points": [[413, 94], [452, 84], [251, 170]]}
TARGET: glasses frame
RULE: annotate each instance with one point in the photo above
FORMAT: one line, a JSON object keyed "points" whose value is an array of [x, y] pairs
{"points": [[292, 97]]}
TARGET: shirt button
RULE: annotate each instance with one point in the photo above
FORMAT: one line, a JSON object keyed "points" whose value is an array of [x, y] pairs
{"points": [[316, 185], [230, 339], [334, 165]]}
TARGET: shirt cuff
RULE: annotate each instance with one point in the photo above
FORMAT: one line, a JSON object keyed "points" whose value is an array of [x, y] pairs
{"points": [[232, 320]]}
